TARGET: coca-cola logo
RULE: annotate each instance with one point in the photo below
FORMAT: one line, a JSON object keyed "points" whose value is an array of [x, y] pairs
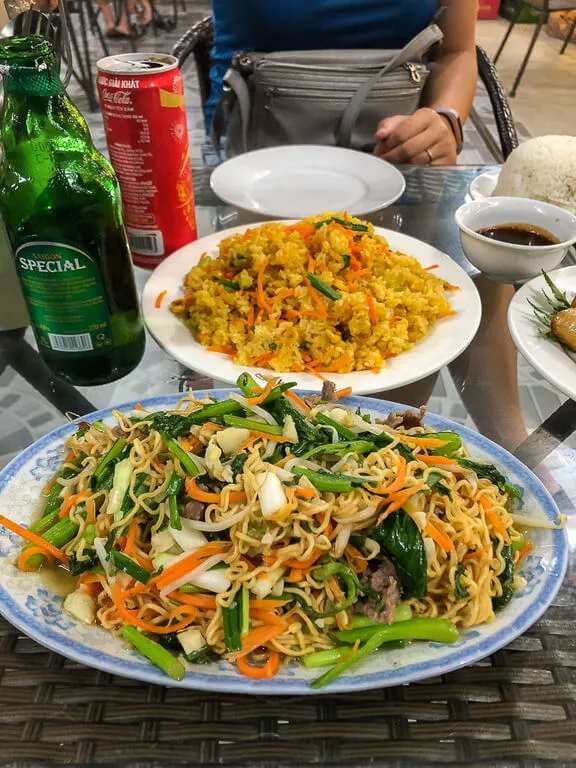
{"points": [[116, 97]]}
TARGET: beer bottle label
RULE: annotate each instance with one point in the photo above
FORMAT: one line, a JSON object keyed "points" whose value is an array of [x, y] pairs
{"points": [[65, 296]]}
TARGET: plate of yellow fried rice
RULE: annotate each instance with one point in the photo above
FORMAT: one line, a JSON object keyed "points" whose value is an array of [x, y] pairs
{"points": [[329, 295]]}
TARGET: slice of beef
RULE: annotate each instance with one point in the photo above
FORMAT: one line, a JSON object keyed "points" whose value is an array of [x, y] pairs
{"points": [[381, 577], [193, 510], [328, 390], [405, 419], [311, 400], [119, 431]]}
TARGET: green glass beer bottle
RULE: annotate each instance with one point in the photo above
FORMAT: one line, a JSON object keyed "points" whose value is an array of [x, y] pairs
{"points": [[60, 201]]}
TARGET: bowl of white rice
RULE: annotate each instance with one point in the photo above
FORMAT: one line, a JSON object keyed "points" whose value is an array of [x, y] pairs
{"points": [[543, 168]]}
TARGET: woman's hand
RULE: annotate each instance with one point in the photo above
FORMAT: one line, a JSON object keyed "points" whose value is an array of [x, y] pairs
{"points": [[421, 138]]}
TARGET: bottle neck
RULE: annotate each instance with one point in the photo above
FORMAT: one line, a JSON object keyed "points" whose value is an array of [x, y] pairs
{"points": [[35, 100]]}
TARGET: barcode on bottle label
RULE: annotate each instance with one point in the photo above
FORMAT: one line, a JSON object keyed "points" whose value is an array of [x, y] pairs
{"points": [[70, 342], [146, 242]]}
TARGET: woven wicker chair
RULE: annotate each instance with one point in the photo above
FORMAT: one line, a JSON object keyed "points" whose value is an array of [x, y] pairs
{"points": [[199, 39]]}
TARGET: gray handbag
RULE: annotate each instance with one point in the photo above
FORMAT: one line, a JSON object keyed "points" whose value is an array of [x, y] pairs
{"points": [[334, 98]]}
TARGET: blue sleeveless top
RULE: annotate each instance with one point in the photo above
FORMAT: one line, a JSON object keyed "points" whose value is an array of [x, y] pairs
{"points": [[288, 25]]}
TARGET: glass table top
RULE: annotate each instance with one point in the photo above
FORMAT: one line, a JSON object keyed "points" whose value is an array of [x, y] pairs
{"points": [[489, 387]]}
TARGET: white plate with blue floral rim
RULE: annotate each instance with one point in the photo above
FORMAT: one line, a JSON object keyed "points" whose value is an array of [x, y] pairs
{"points": [[30, 603]]}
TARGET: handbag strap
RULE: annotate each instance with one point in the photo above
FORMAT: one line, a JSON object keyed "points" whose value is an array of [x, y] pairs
{"points": [[416, 48], [234, 89]]}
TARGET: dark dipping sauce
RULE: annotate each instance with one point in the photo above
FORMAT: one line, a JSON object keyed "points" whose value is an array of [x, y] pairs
{"points": [[519, 234]]}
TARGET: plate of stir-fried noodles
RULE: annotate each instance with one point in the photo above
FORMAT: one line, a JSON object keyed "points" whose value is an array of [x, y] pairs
{"points": [[265, 540]]}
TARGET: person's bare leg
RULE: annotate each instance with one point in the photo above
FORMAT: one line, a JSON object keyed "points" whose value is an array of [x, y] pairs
{"points": [[486, 374], [123, 25], [145, 15], [107, 15]]}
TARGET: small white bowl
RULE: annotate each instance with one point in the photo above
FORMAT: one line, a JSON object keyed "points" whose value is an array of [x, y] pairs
{"points": [[507, 262]]}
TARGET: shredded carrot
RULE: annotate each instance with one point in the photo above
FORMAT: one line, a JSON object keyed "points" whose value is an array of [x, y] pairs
{"points": [[497, 524], [335, 587], [264, 393], [397, 484], [295, 575], [211, 498], [473, 555], [247, 443], [290, 314], [212, 427], [266, 605], [283, 294], [34, 539], [121, 541], [250, 320], [304, 230], [421, 441], [303, 564], [484, 501], [26, 553], [342, 393], [263, 358], [434, 460], [397, 499], [260, 295], [259, 673], [273, 438], [188, 563], [323, 313], [338, 365], [434, 266], [160, 299], [310, 263], [364, 272], [354, 559], [131, 616], [314, 372], [284, 460], [439, 537], [258, 637], [267, 617], [131, 538], [525, 551], [304, 493], [295, 399], [282, 513], [372, 311], [204, 602], [223, 350], [71, 502]]}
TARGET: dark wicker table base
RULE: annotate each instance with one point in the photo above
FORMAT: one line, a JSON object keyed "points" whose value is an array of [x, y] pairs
{"points": [[517, 708]]}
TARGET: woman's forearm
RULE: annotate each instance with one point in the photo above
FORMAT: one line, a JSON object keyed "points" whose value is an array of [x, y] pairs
{"points": [[452, 82]]}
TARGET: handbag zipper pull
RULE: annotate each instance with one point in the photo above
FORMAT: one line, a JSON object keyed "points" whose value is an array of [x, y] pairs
{"points": [[414, 74]]}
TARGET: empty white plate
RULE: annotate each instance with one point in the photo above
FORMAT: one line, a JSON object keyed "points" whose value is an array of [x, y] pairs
{"points": [[300, 180]]}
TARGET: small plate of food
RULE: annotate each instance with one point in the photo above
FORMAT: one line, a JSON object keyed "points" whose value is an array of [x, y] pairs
{"points": [[330, 295], [542, 321], [264, 541]]}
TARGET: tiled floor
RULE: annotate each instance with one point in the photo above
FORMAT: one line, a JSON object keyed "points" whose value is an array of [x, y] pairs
{"points": [[545, 101]]}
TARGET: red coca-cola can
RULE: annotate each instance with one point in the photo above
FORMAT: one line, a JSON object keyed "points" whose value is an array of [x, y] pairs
{"points": [[142, 100]]}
